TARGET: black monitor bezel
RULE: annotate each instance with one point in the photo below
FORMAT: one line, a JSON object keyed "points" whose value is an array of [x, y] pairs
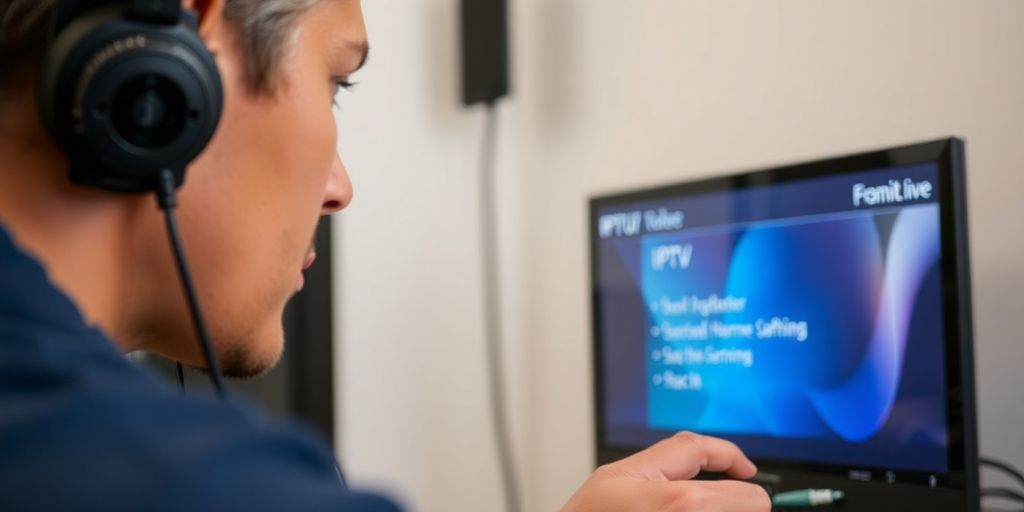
{"points": [[948, 154]]}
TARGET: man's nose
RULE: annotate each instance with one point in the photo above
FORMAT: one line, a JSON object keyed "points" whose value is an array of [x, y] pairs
{"points": [[339, 189]]}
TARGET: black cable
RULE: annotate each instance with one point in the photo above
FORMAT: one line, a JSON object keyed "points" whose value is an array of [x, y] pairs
{"points": [[492, 307], [181, 377], [167, 201], [1004, 467], [1004, 494]]}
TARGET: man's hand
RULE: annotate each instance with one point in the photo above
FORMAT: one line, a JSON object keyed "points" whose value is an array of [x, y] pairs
{"points": [[658, 479]]}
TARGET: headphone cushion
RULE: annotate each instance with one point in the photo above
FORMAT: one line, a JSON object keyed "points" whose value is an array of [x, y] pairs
{"points": [[126, 100]]}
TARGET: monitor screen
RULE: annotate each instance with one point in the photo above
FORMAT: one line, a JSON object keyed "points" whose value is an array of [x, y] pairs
{"points": [[812, 314]]}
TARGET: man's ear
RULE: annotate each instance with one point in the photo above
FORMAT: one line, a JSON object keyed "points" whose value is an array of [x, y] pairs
{"points": [[211, 20]]}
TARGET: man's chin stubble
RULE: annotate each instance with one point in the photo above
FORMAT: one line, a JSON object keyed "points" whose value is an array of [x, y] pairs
{"points": [[238, 361]]}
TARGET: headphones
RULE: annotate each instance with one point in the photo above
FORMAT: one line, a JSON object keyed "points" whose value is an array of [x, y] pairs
{"points": [[131, 95], [128, 91]]}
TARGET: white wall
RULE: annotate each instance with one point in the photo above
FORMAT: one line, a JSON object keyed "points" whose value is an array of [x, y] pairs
{"points": [[612, 95], [412, 395]]}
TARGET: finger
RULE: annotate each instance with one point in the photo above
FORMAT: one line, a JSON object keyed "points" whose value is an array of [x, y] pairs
{"points": [[715, 496], [684, 455]]}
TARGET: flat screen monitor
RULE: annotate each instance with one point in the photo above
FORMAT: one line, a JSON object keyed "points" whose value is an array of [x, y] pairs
{"points": [[817, 315]]}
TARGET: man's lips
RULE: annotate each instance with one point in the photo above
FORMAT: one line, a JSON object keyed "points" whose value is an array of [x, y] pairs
{"points": [[310, 258]]}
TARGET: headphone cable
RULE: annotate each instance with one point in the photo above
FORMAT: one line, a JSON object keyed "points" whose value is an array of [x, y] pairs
{"points": [[167, 200], [181, 376]]}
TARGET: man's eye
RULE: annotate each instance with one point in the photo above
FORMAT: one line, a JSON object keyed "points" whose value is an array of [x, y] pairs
{"points": [[340, 85]]}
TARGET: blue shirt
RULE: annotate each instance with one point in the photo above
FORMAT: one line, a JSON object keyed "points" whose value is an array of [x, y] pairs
{"points": [[83, 428]]}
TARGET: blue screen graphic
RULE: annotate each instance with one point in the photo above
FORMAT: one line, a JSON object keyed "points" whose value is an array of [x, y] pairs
{"points": [[801, 320]]}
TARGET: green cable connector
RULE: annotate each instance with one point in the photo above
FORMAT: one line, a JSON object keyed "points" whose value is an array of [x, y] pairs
{"points": [[807, 498]]}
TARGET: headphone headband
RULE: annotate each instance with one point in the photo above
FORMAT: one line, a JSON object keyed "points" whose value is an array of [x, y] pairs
{"points": [[166, 12]]}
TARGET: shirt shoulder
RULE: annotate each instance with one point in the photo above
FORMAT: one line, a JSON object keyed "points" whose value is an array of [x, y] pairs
{"points": [[82, 428], [150, 449]]}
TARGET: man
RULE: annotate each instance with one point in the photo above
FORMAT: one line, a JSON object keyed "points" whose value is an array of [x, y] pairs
{"points": [[87, 274]]}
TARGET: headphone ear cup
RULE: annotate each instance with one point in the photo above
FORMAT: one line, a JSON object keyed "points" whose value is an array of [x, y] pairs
{"points": [[127, 99]]}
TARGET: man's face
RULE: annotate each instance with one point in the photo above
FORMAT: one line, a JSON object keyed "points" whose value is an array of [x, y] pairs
{"points": [[251, 201]]}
